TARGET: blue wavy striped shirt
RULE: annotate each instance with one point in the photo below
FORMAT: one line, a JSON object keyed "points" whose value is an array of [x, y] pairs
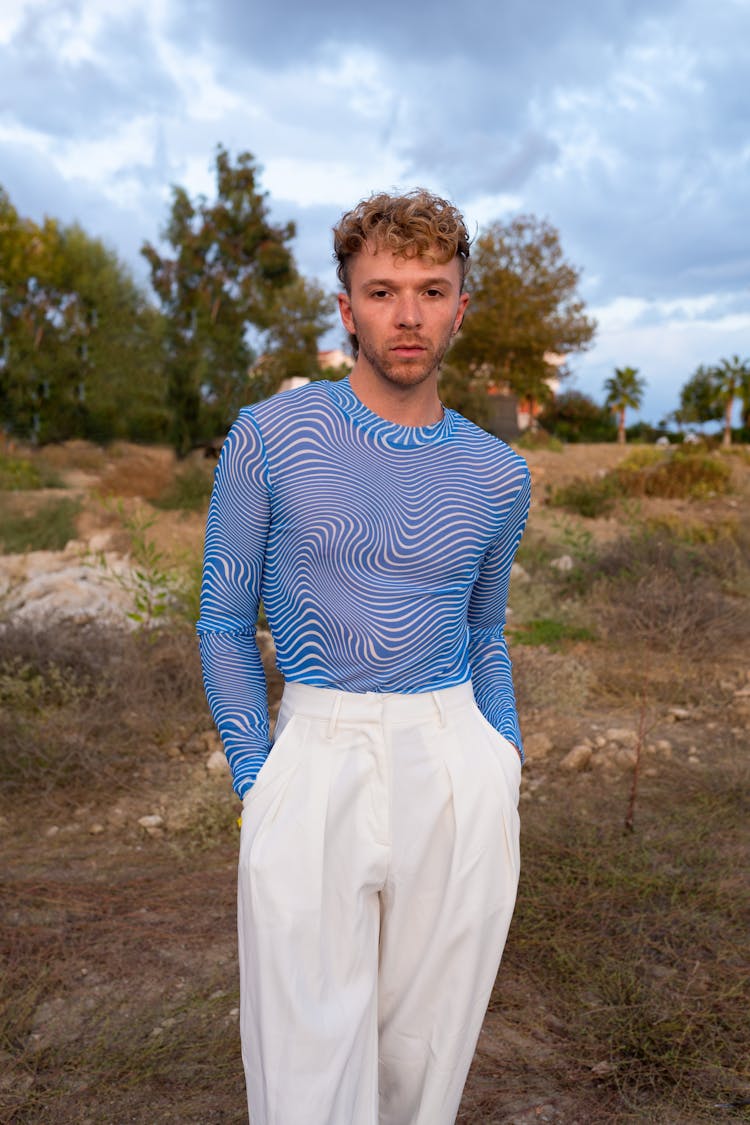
{"points": [[381, 552]]}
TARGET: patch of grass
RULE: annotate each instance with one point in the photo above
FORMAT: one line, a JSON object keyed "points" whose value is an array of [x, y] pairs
{"points": [[586, 496], [81, 704], [641, 942], [189, 491], [539, 439], [20, 473], [49, 528], [549, 631], [684, 473]]}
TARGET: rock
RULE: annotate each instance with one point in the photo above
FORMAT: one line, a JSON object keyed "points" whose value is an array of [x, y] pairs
{"points": [[623, 736], [563, 563], [577, 759], [52, 830], [679, 714], [537, 745], [518, 573], [96, 829], [217, 762], [152, 824], [600, 741]]}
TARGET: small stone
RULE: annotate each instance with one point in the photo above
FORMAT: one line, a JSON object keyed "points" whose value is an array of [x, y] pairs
{"points": [[52, 830], [663, 745], [624, 736], [217, 762], [679, 714], [652, 771], [174, 751], [576, 759], [564, 563], [96, 829], [519, 573], [151, 821], [600, 741], [626, 758], [693, 760], [537, 745]]}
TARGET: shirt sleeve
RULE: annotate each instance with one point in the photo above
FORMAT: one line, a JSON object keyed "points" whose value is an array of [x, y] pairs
{"points": [[491, 670], [236, 534]]}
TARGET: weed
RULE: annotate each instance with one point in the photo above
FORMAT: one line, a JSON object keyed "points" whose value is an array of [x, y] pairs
{"points": [[683, 474], [550, 632], [539, 439], [188, 491], [587, 497], [20, 473], [49, 528], [161, 592]]}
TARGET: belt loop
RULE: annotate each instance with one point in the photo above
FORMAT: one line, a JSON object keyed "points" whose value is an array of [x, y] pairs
{"points": [[331, 729], [440, 709]]}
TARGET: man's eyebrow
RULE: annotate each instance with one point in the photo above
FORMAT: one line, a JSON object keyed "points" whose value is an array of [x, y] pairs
{"points": [[392, 283]]}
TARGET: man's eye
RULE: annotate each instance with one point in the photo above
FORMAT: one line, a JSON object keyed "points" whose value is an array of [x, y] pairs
{"points": [[434, 292], [379, 293]]}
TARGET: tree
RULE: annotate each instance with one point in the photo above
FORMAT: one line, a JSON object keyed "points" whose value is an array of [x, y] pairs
{"points": [[709, 395], [79, 353], [732, 381], [573, 416], [525, 309], [224, 280], [624, 390]]}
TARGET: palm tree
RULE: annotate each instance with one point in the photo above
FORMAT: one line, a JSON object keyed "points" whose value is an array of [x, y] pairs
{"points": [[732, 381], [624, 389]]}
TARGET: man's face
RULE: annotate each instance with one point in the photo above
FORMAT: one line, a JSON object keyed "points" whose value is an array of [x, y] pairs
{"points": [[403, 312]]}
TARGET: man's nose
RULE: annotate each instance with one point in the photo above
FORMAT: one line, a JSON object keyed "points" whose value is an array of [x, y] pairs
{"points": [[408, 312]]}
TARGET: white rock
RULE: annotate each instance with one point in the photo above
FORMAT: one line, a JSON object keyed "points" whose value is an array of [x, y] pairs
{"points": [[152, 821], [563, 563], [217, 762], [96, 829], [576, 759], [678, 714], [519, 573]]}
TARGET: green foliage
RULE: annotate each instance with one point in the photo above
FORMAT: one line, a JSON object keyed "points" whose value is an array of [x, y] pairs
{"points": [[18, 474], [574, 417], [539, 439], [549, 631], [684, 473], [624, 391], [188, 491], [162, 593], [79, 344], [231, 270], [48, 528], [524, 307], [586, 496]]}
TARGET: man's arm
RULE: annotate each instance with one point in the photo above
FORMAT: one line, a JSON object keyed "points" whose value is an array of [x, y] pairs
{"points": [[236, 535], [488, 652]]}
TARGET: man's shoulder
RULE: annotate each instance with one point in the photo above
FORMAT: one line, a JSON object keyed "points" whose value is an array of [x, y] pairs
{"points": [[290, 404], [488, 447]]}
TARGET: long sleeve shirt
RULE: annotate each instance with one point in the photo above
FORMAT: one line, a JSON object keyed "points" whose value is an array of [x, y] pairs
{"points": [[381, 552]]}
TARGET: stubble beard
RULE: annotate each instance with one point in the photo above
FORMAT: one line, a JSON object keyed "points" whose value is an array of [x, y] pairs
{"points": [[402, 372]]}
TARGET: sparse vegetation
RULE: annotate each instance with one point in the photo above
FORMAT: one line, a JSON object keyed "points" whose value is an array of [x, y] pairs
{"points": [[622, 996], [18, 473], [49, 527]]}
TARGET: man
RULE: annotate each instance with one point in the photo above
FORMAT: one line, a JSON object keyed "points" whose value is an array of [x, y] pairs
{"points": [[379, 852]]}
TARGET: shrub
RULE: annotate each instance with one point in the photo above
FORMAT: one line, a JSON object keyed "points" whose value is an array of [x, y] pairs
{"points": [[586, 496], [49, 528], [684, 474], [188, 491], [19, 473]]}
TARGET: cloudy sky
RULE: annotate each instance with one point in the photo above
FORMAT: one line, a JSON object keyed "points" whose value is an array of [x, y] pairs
{"points": [[625, 123]]}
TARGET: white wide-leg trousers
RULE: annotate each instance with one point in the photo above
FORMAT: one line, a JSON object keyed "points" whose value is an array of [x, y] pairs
{"points": [[379, 861]]}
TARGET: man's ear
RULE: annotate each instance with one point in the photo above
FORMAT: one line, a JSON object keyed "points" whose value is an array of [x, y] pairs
{"points": [[345, 312], [463, 301]]}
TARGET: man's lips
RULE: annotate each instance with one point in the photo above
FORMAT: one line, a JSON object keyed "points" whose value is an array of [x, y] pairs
{"points": [[408, 349]]}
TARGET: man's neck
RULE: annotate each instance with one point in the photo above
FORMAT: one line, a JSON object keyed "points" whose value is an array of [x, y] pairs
{"points": [[418, 405]]}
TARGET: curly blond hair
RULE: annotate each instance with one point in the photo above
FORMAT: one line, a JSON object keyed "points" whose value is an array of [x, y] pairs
{"points": [[415, 225]]}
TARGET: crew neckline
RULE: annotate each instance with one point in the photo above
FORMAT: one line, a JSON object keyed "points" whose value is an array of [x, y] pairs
{"points": [[394, 434]]}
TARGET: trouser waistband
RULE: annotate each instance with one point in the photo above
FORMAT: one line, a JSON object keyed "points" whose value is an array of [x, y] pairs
{"points": [[372, 706]]}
